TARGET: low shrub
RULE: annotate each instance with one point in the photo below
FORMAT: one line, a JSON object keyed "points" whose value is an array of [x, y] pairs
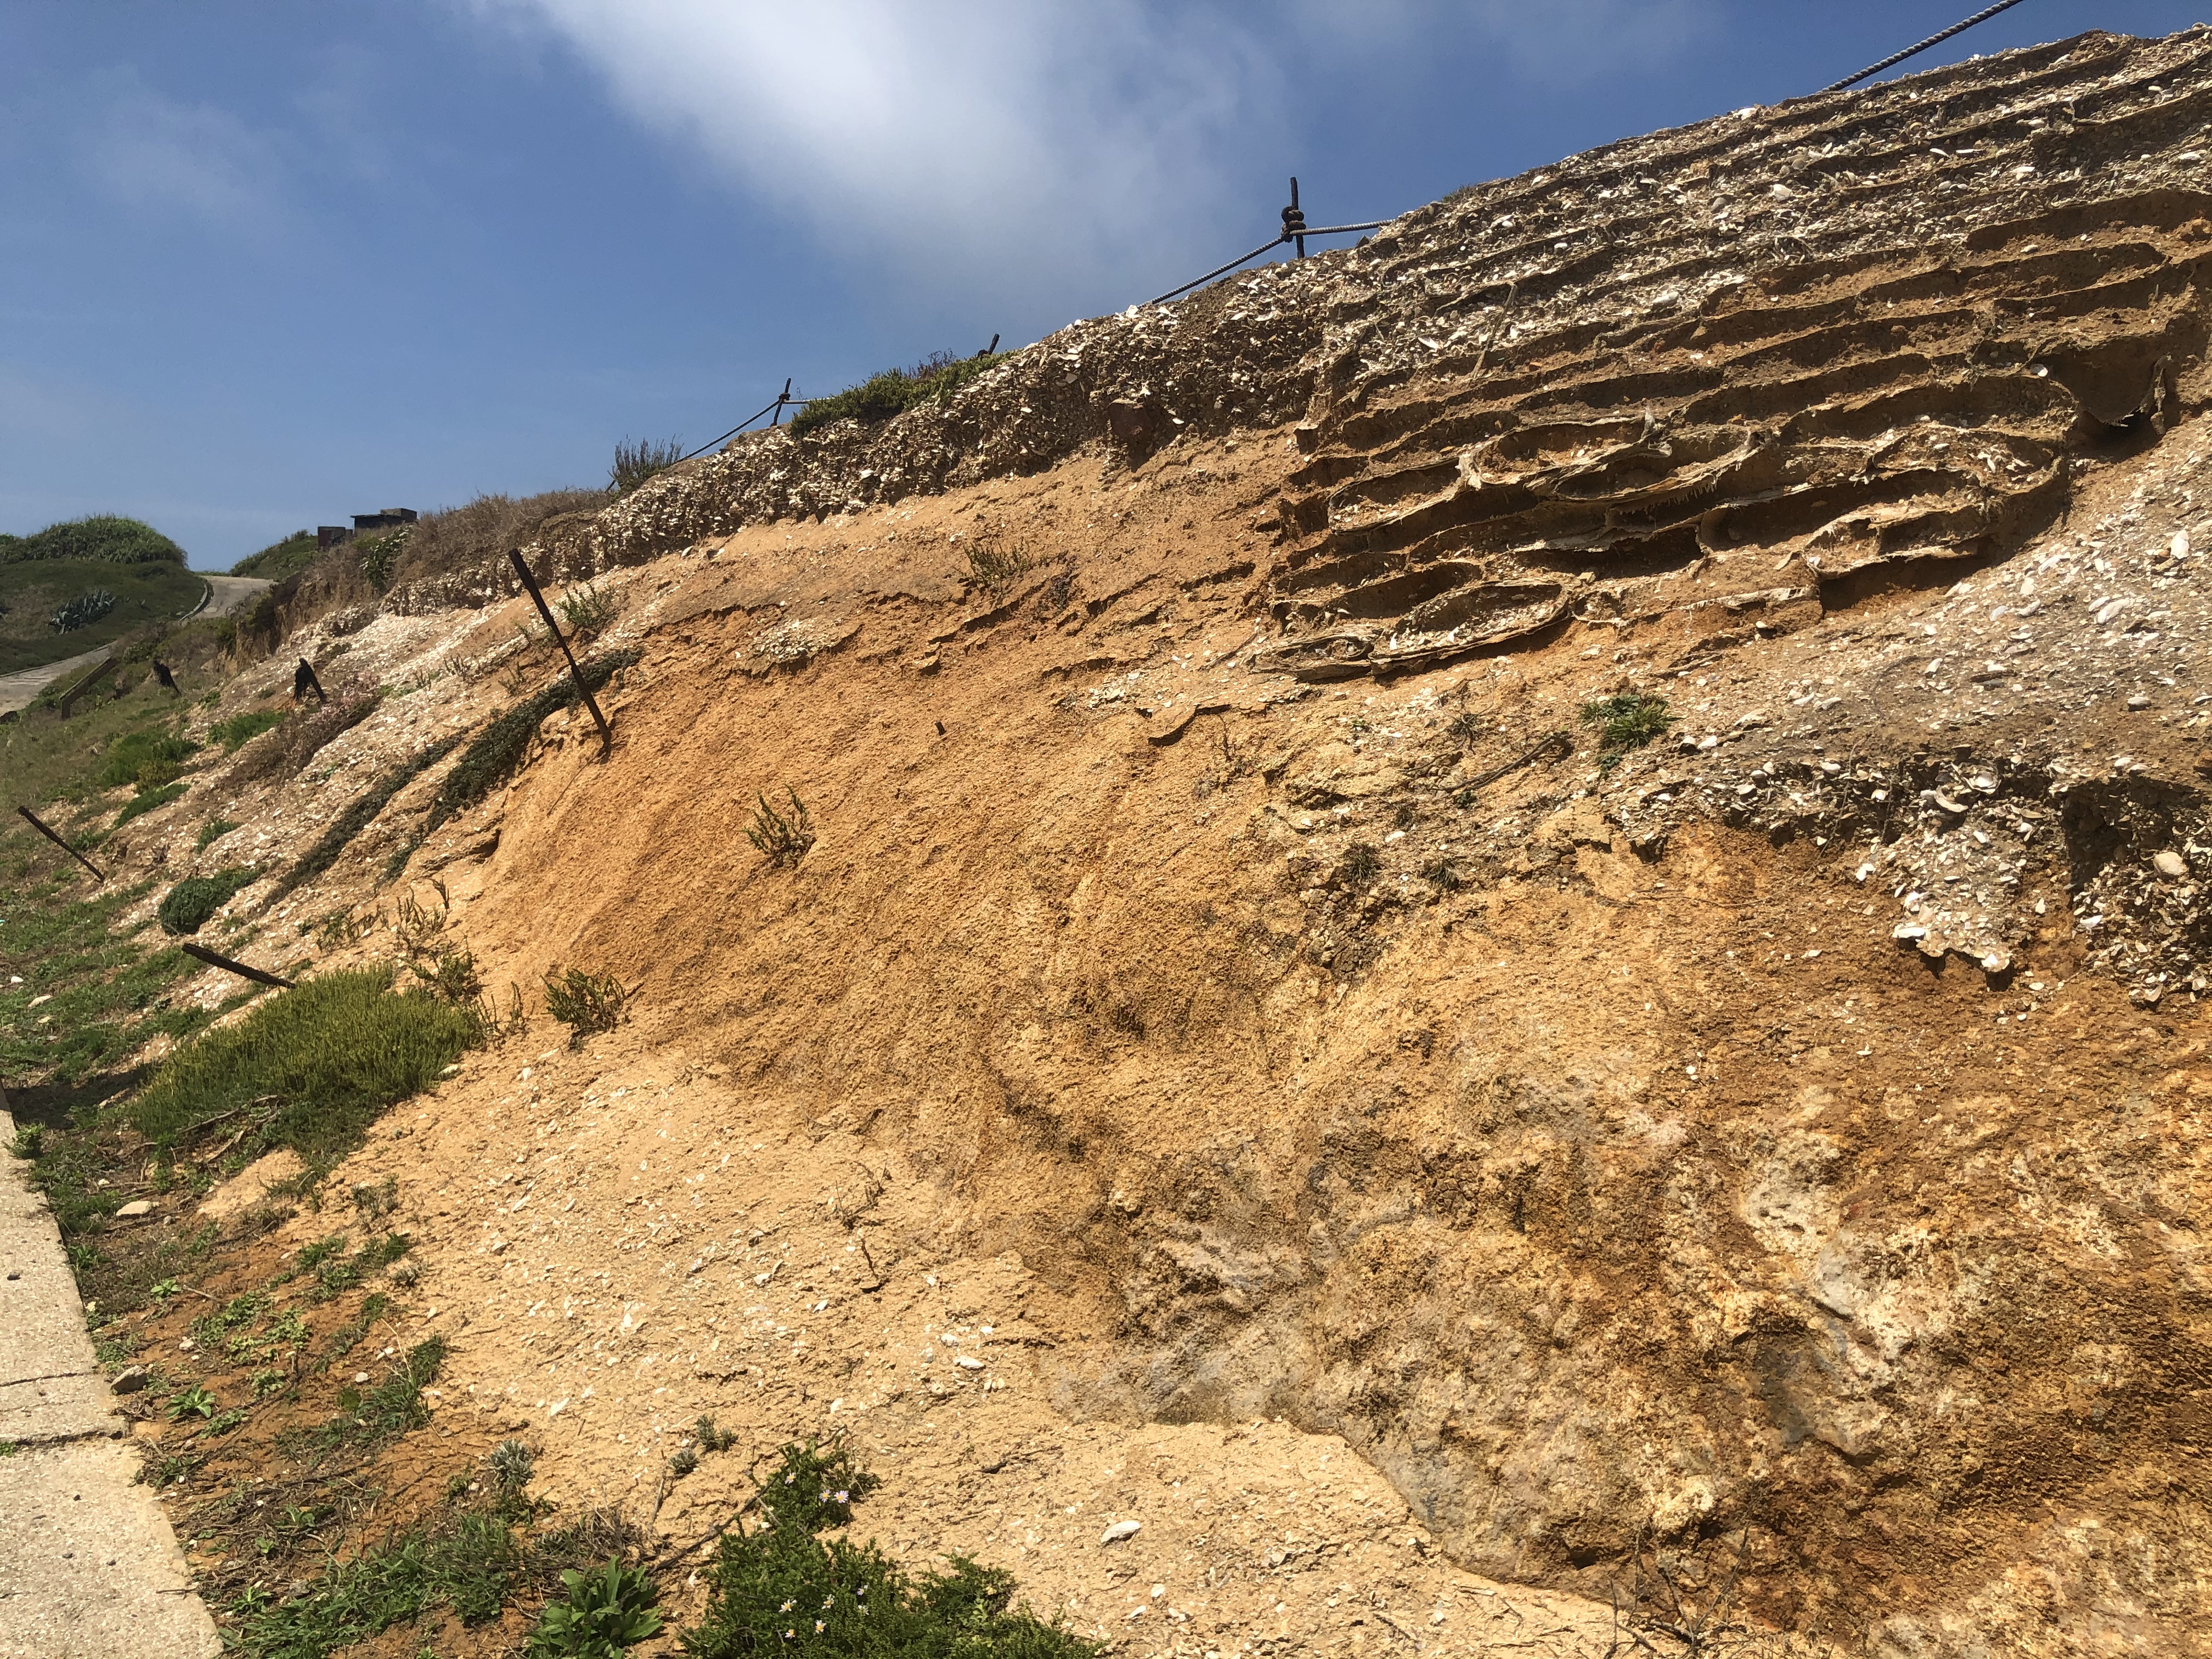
{"points": [[240, 729], [587, 611], [783, 838], [497, 750], [212, 831], [1360, 865], [994, 562], [127, 758], [379, 555], [586, 1003], [896, 391], [636, 462], [1626, 723], [317, 1064], [778, 1588], [191, 902]]}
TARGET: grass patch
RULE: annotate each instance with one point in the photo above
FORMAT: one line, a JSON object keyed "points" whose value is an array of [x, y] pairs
{"points": [[315, 1065], [139, 757], [358, 814], [191, 903], [104, 995], [1626, 723], [210, 832], [778, 1588], [280, 559], [895, 391], [498, 750], [146, 800], [240, 729]]}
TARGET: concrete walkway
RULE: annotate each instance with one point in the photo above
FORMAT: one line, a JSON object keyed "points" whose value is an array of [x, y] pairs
{"points": [[88, 1566]]}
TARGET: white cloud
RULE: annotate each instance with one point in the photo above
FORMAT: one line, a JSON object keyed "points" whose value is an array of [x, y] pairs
{"points": [[156, 155], [988, 144]]}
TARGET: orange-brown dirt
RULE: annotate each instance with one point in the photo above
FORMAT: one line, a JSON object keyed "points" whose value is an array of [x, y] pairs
{"points": [[1364, 1136]]}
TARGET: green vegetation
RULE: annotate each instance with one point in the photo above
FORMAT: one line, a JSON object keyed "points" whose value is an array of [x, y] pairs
{"points": [[313, 1066], [380, 555], [146, 800], [213, 831], [587, 611], [140, 757], [784, 840], [280, 559], [586, 1003], [469, 1561], [498, 750], [240, 729], [358, 814], [103, 994], [896, 391], [994, 562], [193, 901], [40, 599], [83, 611], [780, 1589], [636, 462], [103, 537], [602, 1613], [1626, 723]]}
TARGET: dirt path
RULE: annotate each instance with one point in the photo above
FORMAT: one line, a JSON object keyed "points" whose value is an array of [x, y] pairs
{"points": [[89, 1565]]}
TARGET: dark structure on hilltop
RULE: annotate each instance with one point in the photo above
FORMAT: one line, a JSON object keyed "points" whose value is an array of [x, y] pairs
{"points": [[328, 536]]}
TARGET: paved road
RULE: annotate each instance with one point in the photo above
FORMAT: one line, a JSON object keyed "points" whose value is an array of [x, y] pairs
{"points": [[89, 1565], [225, 595]]}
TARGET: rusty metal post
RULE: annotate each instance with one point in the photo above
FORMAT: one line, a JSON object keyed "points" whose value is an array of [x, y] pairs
{"points": [[530, 582], [216, 959], [31, 818]]}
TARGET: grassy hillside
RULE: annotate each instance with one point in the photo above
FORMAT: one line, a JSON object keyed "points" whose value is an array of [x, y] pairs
{"points": [[103, 538], [31, 593], [279, 559]]}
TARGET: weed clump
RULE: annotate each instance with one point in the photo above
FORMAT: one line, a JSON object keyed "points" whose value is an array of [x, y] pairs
{"points": [[778, 1588], [895, 391], [994, 562], [1360, 865], [635, 463], [784, 839], [240, 729], [498, 750], [599, 1614], [146, 800], [316, 1064], [587, 610], [190, 905], [586, 1003], [1626, 723]]}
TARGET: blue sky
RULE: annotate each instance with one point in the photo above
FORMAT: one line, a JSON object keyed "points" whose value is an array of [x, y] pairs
{"points": [[266, 265]]}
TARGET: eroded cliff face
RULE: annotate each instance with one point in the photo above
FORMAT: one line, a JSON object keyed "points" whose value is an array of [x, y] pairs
{"points": [[1789, 1130]]}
